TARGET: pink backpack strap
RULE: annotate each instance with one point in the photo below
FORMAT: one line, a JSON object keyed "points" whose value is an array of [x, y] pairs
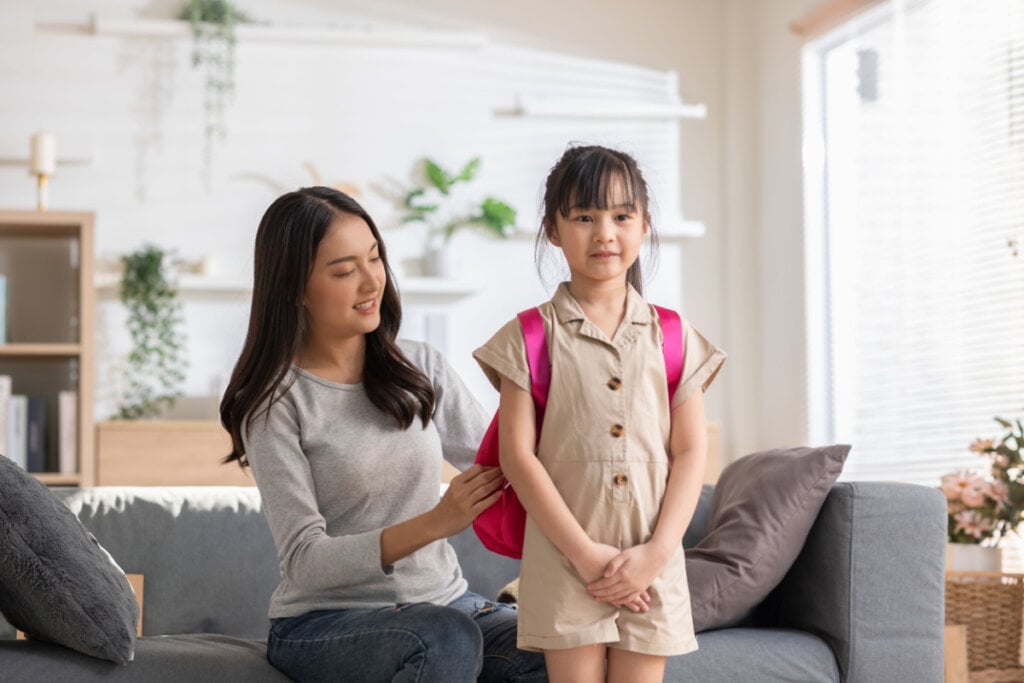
{"points": [[672, 347], [537, 358]]}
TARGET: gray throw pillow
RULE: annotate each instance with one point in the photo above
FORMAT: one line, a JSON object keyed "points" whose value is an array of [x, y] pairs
{"points": [[762, 509], [56, 582]]}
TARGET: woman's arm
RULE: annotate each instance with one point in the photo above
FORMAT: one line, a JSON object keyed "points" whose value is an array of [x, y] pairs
{"points": [[468, 494], [634, 569]]}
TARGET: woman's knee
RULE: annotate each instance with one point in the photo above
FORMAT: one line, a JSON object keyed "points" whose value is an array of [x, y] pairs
{"points": [[446, 630]]}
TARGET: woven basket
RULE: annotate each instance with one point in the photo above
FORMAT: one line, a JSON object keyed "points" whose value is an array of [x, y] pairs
{"points": [[991, 606]]}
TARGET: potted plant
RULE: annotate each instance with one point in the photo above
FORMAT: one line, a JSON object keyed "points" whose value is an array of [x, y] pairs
{"points": [[213, 48], [984, 506], [434, 202], [156, 363]]}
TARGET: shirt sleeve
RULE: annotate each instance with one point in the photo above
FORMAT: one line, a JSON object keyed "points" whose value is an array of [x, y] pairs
{"points": [[701, 362], [460, 419], [504, 355], [309, 557]]}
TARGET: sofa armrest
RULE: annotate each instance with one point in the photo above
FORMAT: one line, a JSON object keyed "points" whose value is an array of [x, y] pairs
{"points": [[870, 581]]}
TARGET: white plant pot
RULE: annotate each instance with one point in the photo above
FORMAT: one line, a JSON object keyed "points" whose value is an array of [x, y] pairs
{"points": [[438, 261], [971, 557]]}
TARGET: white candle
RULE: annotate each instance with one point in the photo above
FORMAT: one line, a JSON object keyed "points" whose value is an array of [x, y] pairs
{"points": [[44, 154]]}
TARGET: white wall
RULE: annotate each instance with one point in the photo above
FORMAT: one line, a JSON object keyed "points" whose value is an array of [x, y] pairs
{"points": [[742, 282]]}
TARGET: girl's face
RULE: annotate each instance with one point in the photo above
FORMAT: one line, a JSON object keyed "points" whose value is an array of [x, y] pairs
{"points": [[601, 244], [345, 285]]}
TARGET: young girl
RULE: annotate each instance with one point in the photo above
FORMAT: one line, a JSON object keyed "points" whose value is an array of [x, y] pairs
{"points": [[613, 482], [344, 429]]}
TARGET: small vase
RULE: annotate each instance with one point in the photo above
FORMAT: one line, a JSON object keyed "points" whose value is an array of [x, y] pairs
{"points": [[971, 557], [438, 261]]}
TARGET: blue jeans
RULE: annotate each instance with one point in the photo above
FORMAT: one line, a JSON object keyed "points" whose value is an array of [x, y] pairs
{"points": [[471, 639]]}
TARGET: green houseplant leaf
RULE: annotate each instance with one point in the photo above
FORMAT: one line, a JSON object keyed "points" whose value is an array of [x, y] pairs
{"points": [[156, 362]]}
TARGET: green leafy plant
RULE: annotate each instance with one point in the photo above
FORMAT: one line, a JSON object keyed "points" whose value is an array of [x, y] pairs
{"points": [[156, 363], [431, 203], [213, 48]]}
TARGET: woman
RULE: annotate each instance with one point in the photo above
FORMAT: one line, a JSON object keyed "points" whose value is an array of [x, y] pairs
{"points": [[344, 430]]}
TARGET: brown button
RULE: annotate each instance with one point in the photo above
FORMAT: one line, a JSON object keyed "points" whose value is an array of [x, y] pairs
{"points": [[620, 479], [614, 383], [617, 431]]}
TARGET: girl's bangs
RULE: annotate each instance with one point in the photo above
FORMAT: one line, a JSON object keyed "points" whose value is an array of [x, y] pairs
{"points": [[597, 182]]}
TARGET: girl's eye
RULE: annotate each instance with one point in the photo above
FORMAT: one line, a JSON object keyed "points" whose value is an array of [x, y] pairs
{"points": [[623, 217], [584, 219]]}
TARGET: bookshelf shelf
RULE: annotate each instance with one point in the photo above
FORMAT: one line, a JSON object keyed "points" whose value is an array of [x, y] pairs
{"points": [[46, 359], [54, 350]]}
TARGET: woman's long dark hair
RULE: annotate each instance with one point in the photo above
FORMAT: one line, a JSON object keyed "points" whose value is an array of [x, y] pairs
{"points": [[286, 244], [583, 176]]}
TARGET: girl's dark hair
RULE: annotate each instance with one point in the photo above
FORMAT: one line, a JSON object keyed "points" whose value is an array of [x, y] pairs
{"points": [[584, 176], [286, 244]]}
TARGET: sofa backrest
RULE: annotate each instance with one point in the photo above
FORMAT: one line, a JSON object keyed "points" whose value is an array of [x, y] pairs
{"points": [[206, 553], [208, 559]]}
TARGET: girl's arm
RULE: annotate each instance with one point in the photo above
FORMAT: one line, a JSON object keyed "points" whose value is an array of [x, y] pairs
{"points": [[517, 435], [633, 570]]}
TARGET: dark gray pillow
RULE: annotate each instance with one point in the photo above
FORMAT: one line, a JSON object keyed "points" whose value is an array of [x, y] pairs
{"points": [[56, 582], [762, 509]]}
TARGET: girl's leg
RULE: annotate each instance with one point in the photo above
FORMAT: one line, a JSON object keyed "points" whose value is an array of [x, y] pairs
{"points": [[503, 661], [634, 667], [577, 664], [418, 642]]}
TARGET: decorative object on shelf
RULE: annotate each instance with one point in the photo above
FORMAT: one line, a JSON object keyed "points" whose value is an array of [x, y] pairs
{"points": [[213, 35], [985, 506], [280, 187], [43, 165], [434, 201], [157, 362], [971, 557]]}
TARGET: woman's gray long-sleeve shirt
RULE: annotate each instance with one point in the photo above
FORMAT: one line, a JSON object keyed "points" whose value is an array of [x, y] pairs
{"points": [[333, 471]]}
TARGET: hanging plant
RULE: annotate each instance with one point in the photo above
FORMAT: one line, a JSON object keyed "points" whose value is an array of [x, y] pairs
{"points": [[156, 363], [213, 49]]}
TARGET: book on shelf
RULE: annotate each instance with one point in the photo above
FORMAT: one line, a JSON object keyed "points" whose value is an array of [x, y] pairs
{"points": [[5, 399], [35, 451], [17, 429], [3, 308], [67, 431]]}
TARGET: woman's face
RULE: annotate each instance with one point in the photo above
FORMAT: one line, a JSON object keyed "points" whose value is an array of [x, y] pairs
{"points": [[346, 283]]}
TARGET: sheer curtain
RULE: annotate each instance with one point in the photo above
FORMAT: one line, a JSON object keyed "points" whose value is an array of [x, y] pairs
{"points": [[914, 116]]}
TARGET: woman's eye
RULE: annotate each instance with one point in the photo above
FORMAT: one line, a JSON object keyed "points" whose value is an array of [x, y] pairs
{"points": [[345, 274], [375, 259]]}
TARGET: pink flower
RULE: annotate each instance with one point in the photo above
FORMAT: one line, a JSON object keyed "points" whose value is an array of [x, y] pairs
{"points": [[976, 492], [972, 523], [982, 445], [954, 483], [966, 486], [999, 491]]}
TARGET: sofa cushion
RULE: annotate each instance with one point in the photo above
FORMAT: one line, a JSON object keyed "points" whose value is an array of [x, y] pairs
{"points": [[195, 658], [756, 654], [761, 512], [56, 582]]}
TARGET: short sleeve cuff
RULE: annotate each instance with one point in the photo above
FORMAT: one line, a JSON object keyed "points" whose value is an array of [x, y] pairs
{"points": [[496, 366], [701, 379]]}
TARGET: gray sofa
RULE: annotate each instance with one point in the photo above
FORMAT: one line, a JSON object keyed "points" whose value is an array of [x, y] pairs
{"points": [[863, 602]]}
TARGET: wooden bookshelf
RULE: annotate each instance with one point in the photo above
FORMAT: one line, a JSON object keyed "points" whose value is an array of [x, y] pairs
{"points": [[47, 258]]}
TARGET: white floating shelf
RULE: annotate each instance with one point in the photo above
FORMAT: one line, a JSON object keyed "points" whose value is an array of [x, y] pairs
{"points": [[419, 291], [604, 110], [342, 35]]}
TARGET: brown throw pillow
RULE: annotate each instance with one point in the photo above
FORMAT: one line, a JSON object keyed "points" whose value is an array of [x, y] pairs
{"points": [[762, 509]]}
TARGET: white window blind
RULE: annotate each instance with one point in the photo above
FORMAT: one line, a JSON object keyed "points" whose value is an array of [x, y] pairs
{"points": [[914, 117]]}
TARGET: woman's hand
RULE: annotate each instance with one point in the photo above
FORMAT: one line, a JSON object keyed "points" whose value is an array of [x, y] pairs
{"points": [[593, 567], [468, 494], [628, 574]]}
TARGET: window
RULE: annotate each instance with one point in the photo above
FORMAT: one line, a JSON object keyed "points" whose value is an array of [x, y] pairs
{"points": [[914, 158]]}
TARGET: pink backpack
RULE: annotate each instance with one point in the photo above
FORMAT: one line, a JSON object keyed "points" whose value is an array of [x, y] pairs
{"points": [[501, 526]]}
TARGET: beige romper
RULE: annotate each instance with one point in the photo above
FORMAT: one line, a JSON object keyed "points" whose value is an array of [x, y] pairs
{"points": [[604, 441]]}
